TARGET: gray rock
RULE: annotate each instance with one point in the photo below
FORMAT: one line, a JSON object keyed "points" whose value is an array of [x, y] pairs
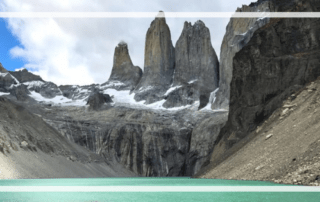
{"points": [[14, 146], [47, 89], [21, 92], [181, 96], [68, 91], [4, 148], [268, 136], [202, 142], [24, 145], [25, 76], [158, 63], [196, 62], [6, 81], [76, 92], [123, 71], [96, 100]]}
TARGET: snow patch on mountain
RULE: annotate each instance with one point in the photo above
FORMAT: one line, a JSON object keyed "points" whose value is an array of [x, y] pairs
{"points": [[57, 100]]}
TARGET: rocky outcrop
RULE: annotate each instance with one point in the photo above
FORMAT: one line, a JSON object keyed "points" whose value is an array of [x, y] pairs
{"points": [[46, 89], [76, 92], [238, 33], [158, 62], [21, 92], [124, 73], [6, 79], [196, 67], [25, 76], [96, 100], [280, 58]]}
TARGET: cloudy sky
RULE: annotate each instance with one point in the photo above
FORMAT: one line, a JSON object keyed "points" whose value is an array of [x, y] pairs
{"points": [[80, 50]]}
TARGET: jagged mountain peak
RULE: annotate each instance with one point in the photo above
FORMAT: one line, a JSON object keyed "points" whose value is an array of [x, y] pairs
{"points": [[160, 14], [198, 23], [196, 67], [158, 63], [122, 43], [123, 71]]}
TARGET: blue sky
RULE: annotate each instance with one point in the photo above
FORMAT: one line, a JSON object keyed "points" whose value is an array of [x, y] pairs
{"points": [[7, 41]]}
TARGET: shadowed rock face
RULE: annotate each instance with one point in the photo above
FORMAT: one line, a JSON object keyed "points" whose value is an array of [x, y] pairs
{"points": [[196, 66], [280, 58], [21, 92], [158, 63], [195, 57], [96, 100], [6, 79], [238, 33], [123, 70]]}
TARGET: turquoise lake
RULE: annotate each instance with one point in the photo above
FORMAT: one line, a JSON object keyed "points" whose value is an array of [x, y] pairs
{"points": [[149, 196]]}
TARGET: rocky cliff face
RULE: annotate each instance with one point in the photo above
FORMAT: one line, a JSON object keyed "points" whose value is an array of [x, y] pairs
{"points": [[148, 142], [197, 67], [158, 62], [279, 59], [239, 31], [6, 80], [123, 71]]}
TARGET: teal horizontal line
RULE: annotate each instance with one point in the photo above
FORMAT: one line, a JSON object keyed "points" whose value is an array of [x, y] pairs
{"points": [[159, 189]]}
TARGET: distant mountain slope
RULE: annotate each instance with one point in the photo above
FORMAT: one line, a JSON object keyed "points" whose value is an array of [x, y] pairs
{"points": [[31, 148]]}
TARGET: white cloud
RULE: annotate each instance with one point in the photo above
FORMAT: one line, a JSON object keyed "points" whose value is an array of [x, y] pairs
{"points": [[80, 51]]}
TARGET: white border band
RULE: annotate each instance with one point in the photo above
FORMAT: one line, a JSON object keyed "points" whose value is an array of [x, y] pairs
{"points": [[153, 14]]}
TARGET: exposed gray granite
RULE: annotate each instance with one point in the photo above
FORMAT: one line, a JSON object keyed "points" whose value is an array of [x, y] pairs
{"points": [[196, 68], [159, 62], [123, 71]]}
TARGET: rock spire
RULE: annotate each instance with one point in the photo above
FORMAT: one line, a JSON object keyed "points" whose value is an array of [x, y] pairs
{"points": [[123, 70], [158, 62]]}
